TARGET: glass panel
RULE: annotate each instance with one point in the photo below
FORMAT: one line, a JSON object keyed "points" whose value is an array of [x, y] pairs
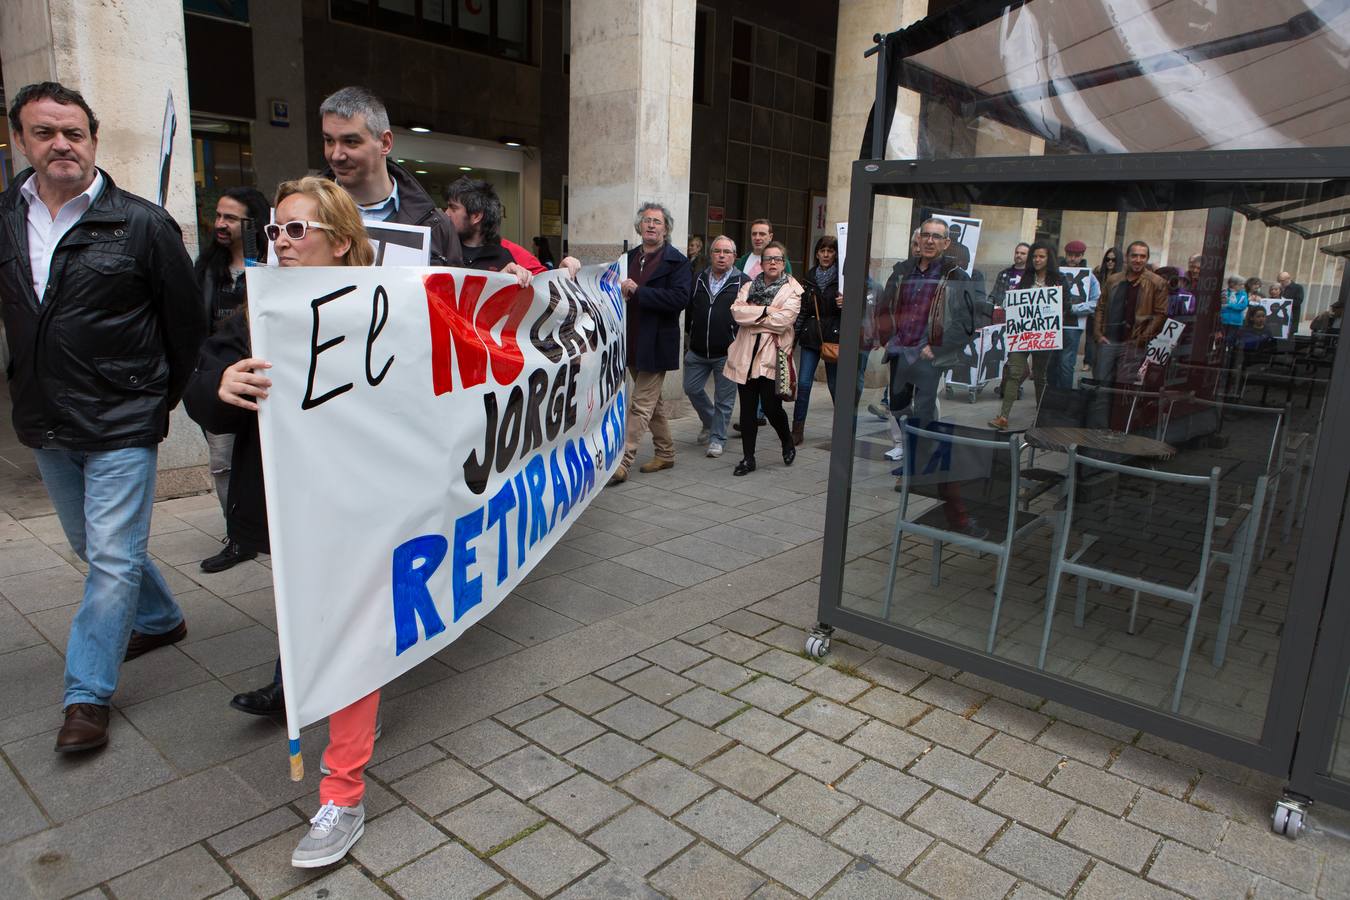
{"points": [[511, 20], [1340, 747], [475, 16], [1157, 566]]}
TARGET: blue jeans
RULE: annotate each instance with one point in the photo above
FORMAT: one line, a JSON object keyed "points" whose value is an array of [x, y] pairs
{"points": [[715, 414], [104, 500], [1065, 361], [806, 377]]}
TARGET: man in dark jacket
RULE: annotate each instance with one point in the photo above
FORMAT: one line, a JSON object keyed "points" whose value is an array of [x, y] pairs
{"points": [[356, 145], [655, 292], [709, 329], [104, 321]]}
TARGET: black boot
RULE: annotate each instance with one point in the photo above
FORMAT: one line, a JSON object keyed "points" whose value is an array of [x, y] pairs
{"points": [[789, 453], [745, 466], [231, 556], [265, 701]]}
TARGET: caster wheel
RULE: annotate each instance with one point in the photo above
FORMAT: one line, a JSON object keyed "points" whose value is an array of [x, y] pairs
{"points": [[1289, 819], [817, 646]]}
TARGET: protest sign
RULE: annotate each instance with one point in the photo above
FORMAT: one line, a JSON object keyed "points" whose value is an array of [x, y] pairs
{"points": [[841, 235], [429, 435], [964, 233], [1034, 319], [1078, 282], [394, 244], [1279, 317], [981, 360]]}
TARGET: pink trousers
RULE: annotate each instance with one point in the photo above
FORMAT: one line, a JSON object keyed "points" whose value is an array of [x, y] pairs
{"points": [[351, 739]]}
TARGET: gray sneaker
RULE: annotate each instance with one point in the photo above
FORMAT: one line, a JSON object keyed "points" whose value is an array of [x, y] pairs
{"points": [[879, 411], [704, 435], [332, 832], [323, 760], [714, 449]]}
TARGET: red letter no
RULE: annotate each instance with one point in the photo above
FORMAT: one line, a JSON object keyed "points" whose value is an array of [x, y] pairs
{"points": [[456, 323]]}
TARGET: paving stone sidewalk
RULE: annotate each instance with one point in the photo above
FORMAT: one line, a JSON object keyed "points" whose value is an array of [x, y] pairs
{"points": [[637, 721]]}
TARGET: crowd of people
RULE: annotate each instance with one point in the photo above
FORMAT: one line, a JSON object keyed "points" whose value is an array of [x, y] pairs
{"points": [[110, 324]]}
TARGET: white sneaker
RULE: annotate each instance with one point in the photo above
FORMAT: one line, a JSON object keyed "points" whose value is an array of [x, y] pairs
{"points": [[896, 453], [333, 831], [323, 760], [714, 449], [704, 435]]}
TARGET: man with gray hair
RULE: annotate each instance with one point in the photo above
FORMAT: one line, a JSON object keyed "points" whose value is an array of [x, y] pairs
{"points": [[356, 145], [655, 292], [709, 330]]}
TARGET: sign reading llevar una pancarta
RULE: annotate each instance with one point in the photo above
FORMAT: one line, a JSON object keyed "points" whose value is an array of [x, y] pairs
{"points": [[1035, 319], [429, 435]]}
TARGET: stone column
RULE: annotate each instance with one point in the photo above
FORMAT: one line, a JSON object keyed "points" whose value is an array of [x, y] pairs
{"points": [[632, 104], [124, 56], [855, 84], [279, 153]]}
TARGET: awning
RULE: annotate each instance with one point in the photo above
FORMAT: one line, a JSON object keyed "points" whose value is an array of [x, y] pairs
{"points": [[1132, 76]]}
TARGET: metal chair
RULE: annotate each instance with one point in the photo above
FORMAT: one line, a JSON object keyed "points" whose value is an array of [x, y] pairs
{"points": [[1065, 564], [991, 467]]}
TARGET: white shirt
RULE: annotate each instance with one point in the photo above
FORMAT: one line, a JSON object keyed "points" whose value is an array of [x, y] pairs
{"points": [[382, 211], [45, 232]]}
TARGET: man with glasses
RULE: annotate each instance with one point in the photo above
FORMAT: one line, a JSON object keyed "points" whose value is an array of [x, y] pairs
{"points": [[708, 331], [927, 315], [357, 142], [104, 320], [655, 292]]}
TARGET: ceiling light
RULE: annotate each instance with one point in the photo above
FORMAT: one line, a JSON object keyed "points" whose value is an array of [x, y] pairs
{"points": [[421, 172], [466, 168], [420, 129], [511, 141], [398, 160]]}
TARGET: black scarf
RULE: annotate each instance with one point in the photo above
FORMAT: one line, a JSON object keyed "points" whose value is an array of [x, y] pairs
{"points": [[762, 293]]}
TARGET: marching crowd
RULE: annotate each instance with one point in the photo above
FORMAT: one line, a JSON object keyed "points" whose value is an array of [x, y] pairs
{"points": [[110, 325]]}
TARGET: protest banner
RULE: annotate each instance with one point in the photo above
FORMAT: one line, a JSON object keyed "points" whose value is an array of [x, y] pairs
{"points": [[429, 435], [1034, 319]]}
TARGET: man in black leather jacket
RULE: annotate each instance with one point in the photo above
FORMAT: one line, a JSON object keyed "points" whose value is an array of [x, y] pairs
{"points": [[104, 321]]}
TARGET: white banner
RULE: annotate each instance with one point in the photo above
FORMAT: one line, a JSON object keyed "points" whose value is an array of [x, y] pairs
{"points": [[429, 435], [1279, 317], [1034, 319]]}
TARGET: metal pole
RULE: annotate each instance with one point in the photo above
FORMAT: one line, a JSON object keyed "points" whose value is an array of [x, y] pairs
{"points": [[879, 105]]}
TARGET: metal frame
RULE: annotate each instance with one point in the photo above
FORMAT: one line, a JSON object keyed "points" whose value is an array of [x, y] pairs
{"points": [[1310, 771], [1098, 182]]}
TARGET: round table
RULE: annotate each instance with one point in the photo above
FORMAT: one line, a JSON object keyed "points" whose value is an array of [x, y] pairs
{"points": [[1102, 440]]}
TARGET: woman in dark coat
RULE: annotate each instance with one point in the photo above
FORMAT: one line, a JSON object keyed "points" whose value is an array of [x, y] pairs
{"points": [[817, 324]]}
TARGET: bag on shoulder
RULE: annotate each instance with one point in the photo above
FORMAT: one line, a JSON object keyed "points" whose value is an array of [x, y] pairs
{"points": [[785, 380], [829, 350]]}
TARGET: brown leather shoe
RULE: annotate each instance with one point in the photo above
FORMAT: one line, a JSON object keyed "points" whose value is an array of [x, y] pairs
{"points": [[619, 477], [86, 728], [656, 465], [144, 643]]}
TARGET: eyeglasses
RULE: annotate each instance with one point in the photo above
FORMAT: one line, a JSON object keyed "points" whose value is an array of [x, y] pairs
{"points": [[771, 259], [652, 221], [931, 236], [294, 230]]}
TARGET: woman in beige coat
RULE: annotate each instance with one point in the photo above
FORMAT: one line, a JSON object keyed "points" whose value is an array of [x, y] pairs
{"points": [[765, 311]]}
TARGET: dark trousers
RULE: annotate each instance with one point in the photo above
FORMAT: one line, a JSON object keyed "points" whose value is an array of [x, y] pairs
{"points": [[761, 390]]}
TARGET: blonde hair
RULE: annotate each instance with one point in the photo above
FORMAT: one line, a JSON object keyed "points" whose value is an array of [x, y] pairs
{"points": [[337, 210]]}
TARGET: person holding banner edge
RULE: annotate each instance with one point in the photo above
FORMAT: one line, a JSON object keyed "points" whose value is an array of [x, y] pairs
{"points": [[317, 224], [1078, 309], [765, 311], [1042, 271]]}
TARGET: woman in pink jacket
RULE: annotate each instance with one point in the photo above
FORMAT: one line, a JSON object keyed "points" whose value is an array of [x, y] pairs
{"points": [[765, 311]]}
